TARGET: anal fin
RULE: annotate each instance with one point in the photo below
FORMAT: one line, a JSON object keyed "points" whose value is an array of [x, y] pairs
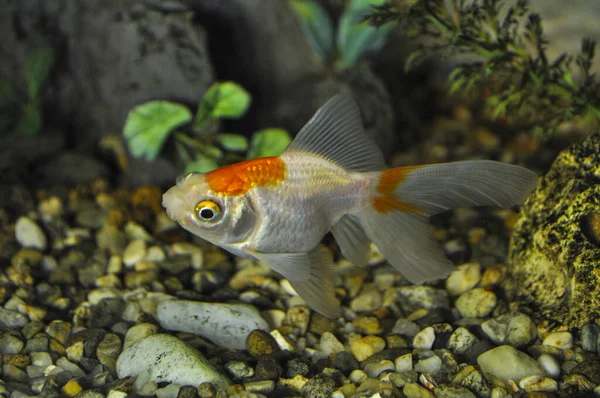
{"points": [[353, 241]]}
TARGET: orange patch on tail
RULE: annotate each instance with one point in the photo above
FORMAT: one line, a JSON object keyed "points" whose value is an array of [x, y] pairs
{"points": [[387, 200], [239, 178]]}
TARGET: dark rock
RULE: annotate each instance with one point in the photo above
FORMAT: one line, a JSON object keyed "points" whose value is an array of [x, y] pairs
{"points": [[106, 313], [187, 392], [345, 362], [268, 368], [91, 339], [320, 386], [475, 350], [296, 367], [589, 367], [553, 260], [388, 353], [72, 168], [589, 337], [260, 343]]}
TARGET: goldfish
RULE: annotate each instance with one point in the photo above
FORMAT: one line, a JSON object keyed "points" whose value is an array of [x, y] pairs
{"points": [[333, 178]]}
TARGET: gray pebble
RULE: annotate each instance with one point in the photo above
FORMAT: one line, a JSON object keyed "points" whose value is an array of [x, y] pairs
{"points": [[589, 337], [345, 362], [320, 386], [36, 344], [476, 303], [461, 340], [450, 391], [296, 367], [32, 328], [239, 369], [375, 368], [424, 297], [550, 365], [493, 363], [431, 365], [400, 379], [424, 339], [260, 387], [268, 368], [10, 344], [10, 319], [405, 327]]}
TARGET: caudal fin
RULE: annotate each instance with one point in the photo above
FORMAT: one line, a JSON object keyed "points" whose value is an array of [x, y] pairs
{"points": [[397, 220]]}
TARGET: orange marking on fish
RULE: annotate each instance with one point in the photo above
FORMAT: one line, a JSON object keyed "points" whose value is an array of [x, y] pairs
{"points": [[389, 181], [239, 178]]}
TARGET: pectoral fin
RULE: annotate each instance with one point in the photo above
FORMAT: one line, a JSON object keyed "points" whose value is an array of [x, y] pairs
{"points": [[293, 266]]}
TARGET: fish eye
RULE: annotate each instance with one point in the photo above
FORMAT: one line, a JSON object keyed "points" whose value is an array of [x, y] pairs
{"points": [[207, 210]]}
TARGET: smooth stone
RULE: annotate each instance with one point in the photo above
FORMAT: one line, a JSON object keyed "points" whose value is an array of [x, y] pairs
{"points": [[329, 344], [260, 343], [550, 365], [538, 383], [424, 339], [375, 368], [366, 346], [10, 319], [170, 391], [29, 234], [494, 363], [476, 303], [368, 300], [42, 359], [134, 252], [239, 369], [227, 325], [345, 362], [516, 330], [461, 340], [424, 296], [560, 340], [10, 344], [589, 337], [168, 359], [431, 365], [138, 332], [405, 327], [413, 390], [464, 278], [196, 254], [404, 363]]}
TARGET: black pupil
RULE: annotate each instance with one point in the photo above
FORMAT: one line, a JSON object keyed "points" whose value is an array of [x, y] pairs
{"points": [[207, 214]]}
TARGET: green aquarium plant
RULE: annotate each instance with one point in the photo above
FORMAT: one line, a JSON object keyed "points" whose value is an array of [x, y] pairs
{"points": [[197, 139], [353, 38], [504, 55], [20, 109]]}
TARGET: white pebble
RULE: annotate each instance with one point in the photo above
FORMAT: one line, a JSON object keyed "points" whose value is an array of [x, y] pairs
{"points": [[138, 332], [29, 234], [494, 363], [166, 358], [330, 344], [560, 340], [538, 383], [224, 324], [375, 368], [464, 278], [357, 376], [282, 342], [461, 340], [134, 252], [550, 365], [424, 339], [170, 391]]}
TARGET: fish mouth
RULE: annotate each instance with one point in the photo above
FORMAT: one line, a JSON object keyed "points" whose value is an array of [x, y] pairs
{"points": [[173, 204]]}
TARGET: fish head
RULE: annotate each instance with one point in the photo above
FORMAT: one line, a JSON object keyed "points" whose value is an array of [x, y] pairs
{"points": [[217, 218]]}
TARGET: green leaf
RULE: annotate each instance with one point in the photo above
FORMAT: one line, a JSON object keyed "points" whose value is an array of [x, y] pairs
{"points": [[232, 142], [36, 70], [316, 25], [268, 142], [225, 100], [202, 164], [30, 121], [356, 37], [148, 125]]}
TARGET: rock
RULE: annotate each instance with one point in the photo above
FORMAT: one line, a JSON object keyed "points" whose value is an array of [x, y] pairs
{"points": [[225, 324], [239, 369], [363, 348], [166, 358], [72, 168], [516, 330], [493, 364], [560, 340], [10, 319], [134, 252], [461, 340], [108, 351], [29, 234], [413, 390], [329, 344], [260, 343], [268, 368], [345, 362], [138, 332], [476, 303], [589, 337], [449, 391], [538, 383], [368, 300], [405, 327], [296, 367], [552, 254], [431, 365], [550, 365], [404, 363], [320, 386], [10, 344], [424, 297], [375, 368], [464, 278], [424, 339]]}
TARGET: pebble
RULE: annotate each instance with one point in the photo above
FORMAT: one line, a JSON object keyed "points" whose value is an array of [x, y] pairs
{"points": [[560, 340], [134, 252], [320, 386], [59, 330], [239, 369], [404, 363], [493, 363], [329, 344], [589, 337], [476, 303], [196, 254], [227, 325], [10, 344], [375, 368], [283, 343], [260, 343], [413, 390], [29, 234], [296, 367], [550, 365], [169, 391], [65, 364], [424, 339], [72, 388], [345, 362], [368, 300], [431, 365], [516, 330], [108, 351], [405, 327], [363, 348], [10, 319], [450, 391], [538, 383], [464, 278], [424, 297], [367, 325], [461, 340], [42, 359], [260, 387], [166, 358]]}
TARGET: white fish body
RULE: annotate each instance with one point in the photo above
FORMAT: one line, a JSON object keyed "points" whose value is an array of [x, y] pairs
{"points": [[333, 178]]}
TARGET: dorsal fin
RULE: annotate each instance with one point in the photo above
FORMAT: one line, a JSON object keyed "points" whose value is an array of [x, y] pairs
{"points": [[336, 133]]}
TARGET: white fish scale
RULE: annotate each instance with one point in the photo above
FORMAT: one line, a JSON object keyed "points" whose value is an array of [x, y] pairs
{"points": [[299, 211]]}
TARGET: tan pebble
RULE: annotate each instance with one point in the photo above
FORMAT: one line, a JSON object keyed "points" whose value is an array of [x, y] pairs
{"points": [[320, 324], [145, 266], [396, 341], [367, 325], [283, 343], [465, 277], [561, 340], [493, 276], [418, 314], [109, 280], [413, 390], [135, 251], [72, 388], [365, 347], [295, 383], [108, 351], [274, 318], [298, 316], [477, 235], [18, 360], [74, 352]]}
